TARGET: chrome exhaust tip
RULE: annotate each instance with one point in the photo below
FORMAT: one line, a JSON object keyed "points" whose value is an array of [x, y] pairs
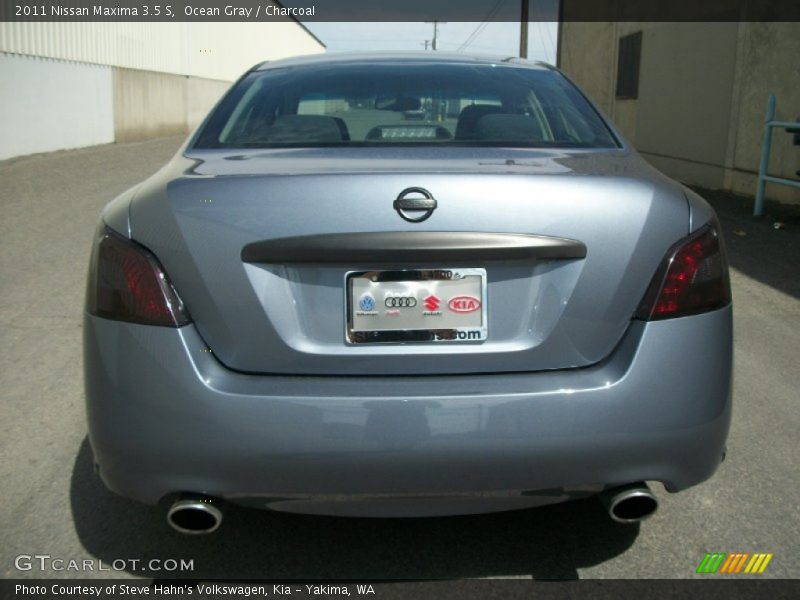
{"points": [[194, 515], [629, 503]]}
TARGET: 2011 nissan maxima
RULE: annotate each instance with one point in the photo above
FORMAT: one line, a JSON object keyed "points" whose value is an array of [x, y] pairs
{"points": [[406, 285]]}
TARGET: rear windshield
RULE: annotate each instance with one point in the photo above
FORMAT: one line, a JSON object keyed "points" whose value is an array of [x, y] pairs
{"points": [[408, 103]]}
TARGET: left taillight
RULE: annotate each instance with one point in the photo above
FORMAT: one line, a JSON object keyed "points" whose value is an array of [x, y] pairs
{"points": [[127, 283]]}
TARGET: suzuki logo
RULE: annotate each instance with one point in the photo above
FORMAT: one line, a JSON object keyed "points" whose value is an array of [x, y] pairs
{"points": [[464, 304], [432, 303]]}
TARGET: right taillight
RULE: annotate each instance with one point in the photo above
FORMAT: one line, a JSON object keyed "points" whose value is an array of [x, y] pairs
{"points": [[127, 283], [693, 278]]}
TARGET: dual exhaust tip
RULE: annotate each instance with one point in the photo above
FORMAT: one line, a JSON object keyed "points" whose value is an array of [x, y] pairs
{"points": [[629, 503], [194, 515], [198, 515]]}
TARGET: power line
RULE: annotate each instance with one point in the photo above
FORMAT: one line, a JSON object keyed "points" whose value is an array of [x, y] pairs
{"points": [[481, 26], [479, 29], [471, 37]]}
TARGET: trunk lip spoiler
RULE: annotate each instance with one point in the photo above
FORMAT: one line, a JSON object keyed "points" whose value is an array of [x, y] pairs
{"points": [[411, 247]]}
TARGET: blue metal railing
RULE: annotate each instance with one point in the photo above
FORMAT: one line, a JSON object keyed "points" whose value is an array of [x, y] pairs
{"points": [[766, 146]]}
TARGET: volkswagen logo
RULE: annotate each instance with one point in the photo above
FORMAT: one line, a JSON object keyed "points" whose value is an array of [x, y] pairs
{"points": [[415, 204], [367, 303]]}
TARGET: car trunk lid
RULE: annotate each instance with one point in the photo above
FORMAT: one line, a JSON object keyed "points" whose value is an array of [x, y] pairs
{"points": [[229, 227]]}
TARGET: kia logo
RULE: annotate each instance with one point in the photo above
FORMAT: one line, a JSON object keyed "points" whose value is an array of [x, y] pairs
{"points": [[464, 304]]}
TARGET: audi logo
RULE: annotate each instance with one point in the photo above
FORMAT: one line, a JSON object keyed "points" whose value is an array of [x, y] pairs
{"points": [[400, 302]]}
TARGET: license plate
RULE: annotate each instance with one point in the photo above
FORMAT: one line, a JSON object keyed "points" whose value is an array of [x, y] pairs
{"points": [[423, 305]]}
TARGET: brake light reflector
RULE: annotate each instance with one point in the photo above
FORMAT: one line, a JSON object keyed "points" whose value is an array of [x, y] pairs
{"points": [[127, 283], [693, 278]]}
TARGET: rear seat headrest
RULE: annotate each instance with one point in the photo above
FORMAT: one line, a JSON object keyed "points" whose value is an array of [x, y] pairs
{"points": [[509, 128], [307, 128]]}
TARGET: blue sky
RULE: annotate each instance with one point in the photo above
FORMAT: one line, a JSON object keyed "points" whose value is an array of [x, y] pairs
{"points": [[486, 38]]}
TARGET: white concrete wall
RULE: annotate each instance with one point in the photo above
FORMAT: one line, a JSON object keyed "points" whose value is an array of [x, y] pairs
{"points": [[683, 114], [769, 61], [148, 104], [209, 50], [702, 96], [51, 105], [201, 96]]}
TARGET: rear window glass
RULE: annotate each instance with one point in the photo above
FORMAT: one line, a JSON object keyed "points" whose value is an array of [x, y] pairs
{"points": [[407, 103]]}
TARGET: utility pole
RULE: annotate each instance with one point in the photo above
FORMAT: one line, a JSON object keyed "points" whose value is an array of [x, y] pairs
{"points": [[434, 45], [427, 43], [523, 30]]}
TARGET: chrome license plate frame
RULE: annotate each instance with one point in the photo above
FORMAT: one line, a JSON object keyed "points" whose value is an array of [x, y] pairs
{"points": [[376, 300]]}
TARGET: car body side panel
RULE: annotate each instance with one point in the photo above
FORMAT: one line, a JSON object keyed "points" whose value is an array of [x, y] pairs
{"points": [[116, 214], [700, 211]]}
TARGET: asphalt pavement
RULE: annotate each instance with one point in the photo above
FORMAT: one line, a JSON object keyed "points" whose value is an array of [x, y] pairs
{"points": [[53, 504]]}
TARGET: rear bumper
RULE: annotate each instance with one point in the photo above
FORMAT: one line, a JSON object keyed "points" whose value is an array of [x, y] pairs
{"points": [[165, 416]]}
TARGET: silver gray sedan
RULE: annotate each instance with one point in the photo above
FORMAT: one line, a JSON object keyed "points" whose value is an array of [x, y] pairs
{"points": [[403, 286]]}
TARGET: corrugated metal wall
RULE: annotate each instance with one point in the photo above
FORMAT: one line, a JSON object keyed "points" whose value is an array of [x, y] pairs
{"points": [[69, 84], [209, 50]]}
